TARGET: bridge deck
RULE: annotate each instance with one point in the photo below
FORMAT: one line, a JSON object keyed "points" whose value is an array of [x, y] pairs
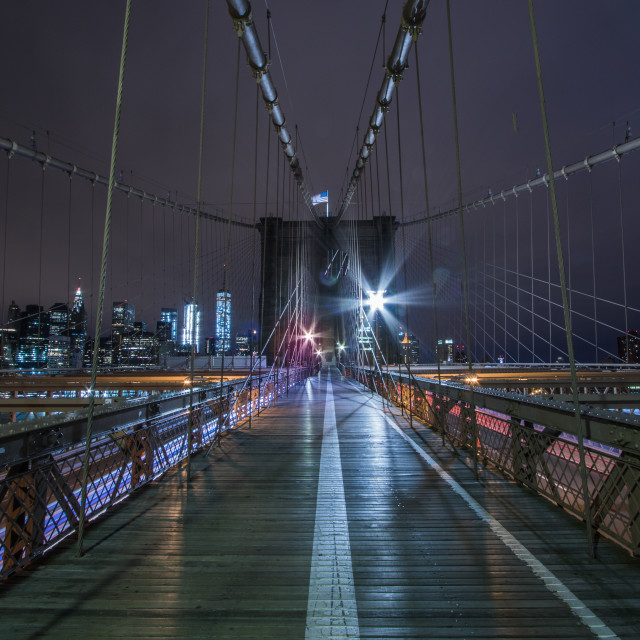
{"points": [[292, 529]]}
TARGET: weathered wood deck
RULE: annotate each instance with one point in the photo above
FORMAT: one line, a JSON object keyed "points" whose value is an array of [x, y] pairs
{"points": [[306, 526]]}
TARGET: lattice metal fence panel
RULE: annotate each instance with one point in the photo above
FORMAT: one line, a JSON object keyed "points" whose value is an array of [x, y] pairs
{"points": [[40, 498], [539, 457]]}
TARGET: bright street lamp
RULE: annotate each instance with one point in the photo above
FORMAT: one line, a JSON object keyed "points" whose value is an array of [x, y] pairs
{"points": [[376, 300]]}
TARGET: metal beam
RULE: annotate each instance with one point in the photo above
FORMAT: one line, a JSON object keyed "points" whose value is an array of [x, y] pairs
{"points": [[413, 14]]}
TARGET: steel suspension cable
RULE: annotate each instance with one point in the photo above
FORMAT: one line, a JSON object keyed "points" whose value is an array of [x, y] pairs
{"points": [[593, 264], [624, 266], [225, 273], [465, 275], [429, 238], [68, 296], [563, 285], [404, 253], [196, 250], [253, 255], [37, 356], [4, 254], [103, 275]]}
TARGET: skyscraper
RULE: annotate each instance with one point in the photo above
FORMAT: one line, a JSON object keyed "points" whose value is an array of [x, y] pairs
{"points": [[629, 347], [223, 322], [34, 338], [58, 319], [444, 350], [170, 316], [191, 326], [242, 344], [122, 319], [78, 324]]}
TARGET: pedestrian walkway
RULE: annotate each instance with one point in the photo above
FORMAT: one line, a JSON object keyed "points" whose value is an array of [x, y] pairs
{"points": [[329, 518]]}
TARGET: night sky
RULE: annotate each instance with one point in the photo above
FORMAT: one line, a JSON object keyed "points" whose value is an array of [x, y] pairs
{"points": [[59, 71]]}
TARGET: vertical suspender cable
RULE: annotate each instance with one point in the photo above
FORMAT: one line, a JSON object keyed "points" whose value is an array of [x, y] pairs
{"points": [[593, 266], [39, 350], [196, 250], [404, 257], [465, 283], [68, 298], [262, 274], [517, 282], [430, 241], [563, 285], [624, 269], [253, 259], [225, 278], [531, 254], [103, 275], [504, 274], [4, 254]]}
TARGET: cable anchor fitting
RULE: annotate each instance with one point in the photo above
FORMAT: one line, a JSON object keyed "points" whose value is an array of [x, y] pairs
{"points": [[12, 152], [241, 23]]}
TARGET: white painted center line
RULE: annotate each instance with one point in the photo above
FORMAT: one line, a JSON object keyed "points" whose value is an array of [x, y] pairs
{"points": [[332, 610]]}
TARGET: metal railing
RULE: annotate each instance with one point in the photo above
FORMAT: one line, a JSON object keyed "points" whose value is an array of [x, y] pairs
{"points": [[40, 493], [530, 441]]}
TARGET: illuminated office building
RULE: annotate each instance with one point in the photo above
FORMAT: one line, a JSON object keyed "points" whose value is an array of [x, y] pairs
{"points": [[242, 344], [34, 338], [223, 322], [444, 350], [58, 319], [122, 319], [78, 325], [191, 326], [170, 316]]}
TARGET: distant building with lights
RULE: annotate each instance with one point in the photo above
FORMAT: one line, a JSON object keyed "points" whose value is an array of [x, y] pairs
{"points": [[122, 320], [8, 345], [223, 322], [444, 351], [59, 347], [139, 347], [163, 332], [629, 347], [243, 344], [191, 326], [78, 329], [409, 348], [58, 319], [170, 316], [34, 338]]}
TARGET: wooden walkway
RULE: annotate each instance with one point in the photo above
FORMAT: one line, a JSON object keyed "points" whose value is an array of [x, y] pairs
{"points": [[329, 519]]}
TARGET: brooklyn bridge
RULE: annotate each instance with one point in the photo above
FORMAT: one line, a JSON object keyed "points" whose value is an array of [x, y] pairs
{"points": [[320, 321]]}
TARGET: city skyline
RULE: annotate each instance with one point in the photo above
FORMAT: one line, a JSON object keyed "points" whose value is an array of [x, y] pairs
{"points": [[58, 222]]}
